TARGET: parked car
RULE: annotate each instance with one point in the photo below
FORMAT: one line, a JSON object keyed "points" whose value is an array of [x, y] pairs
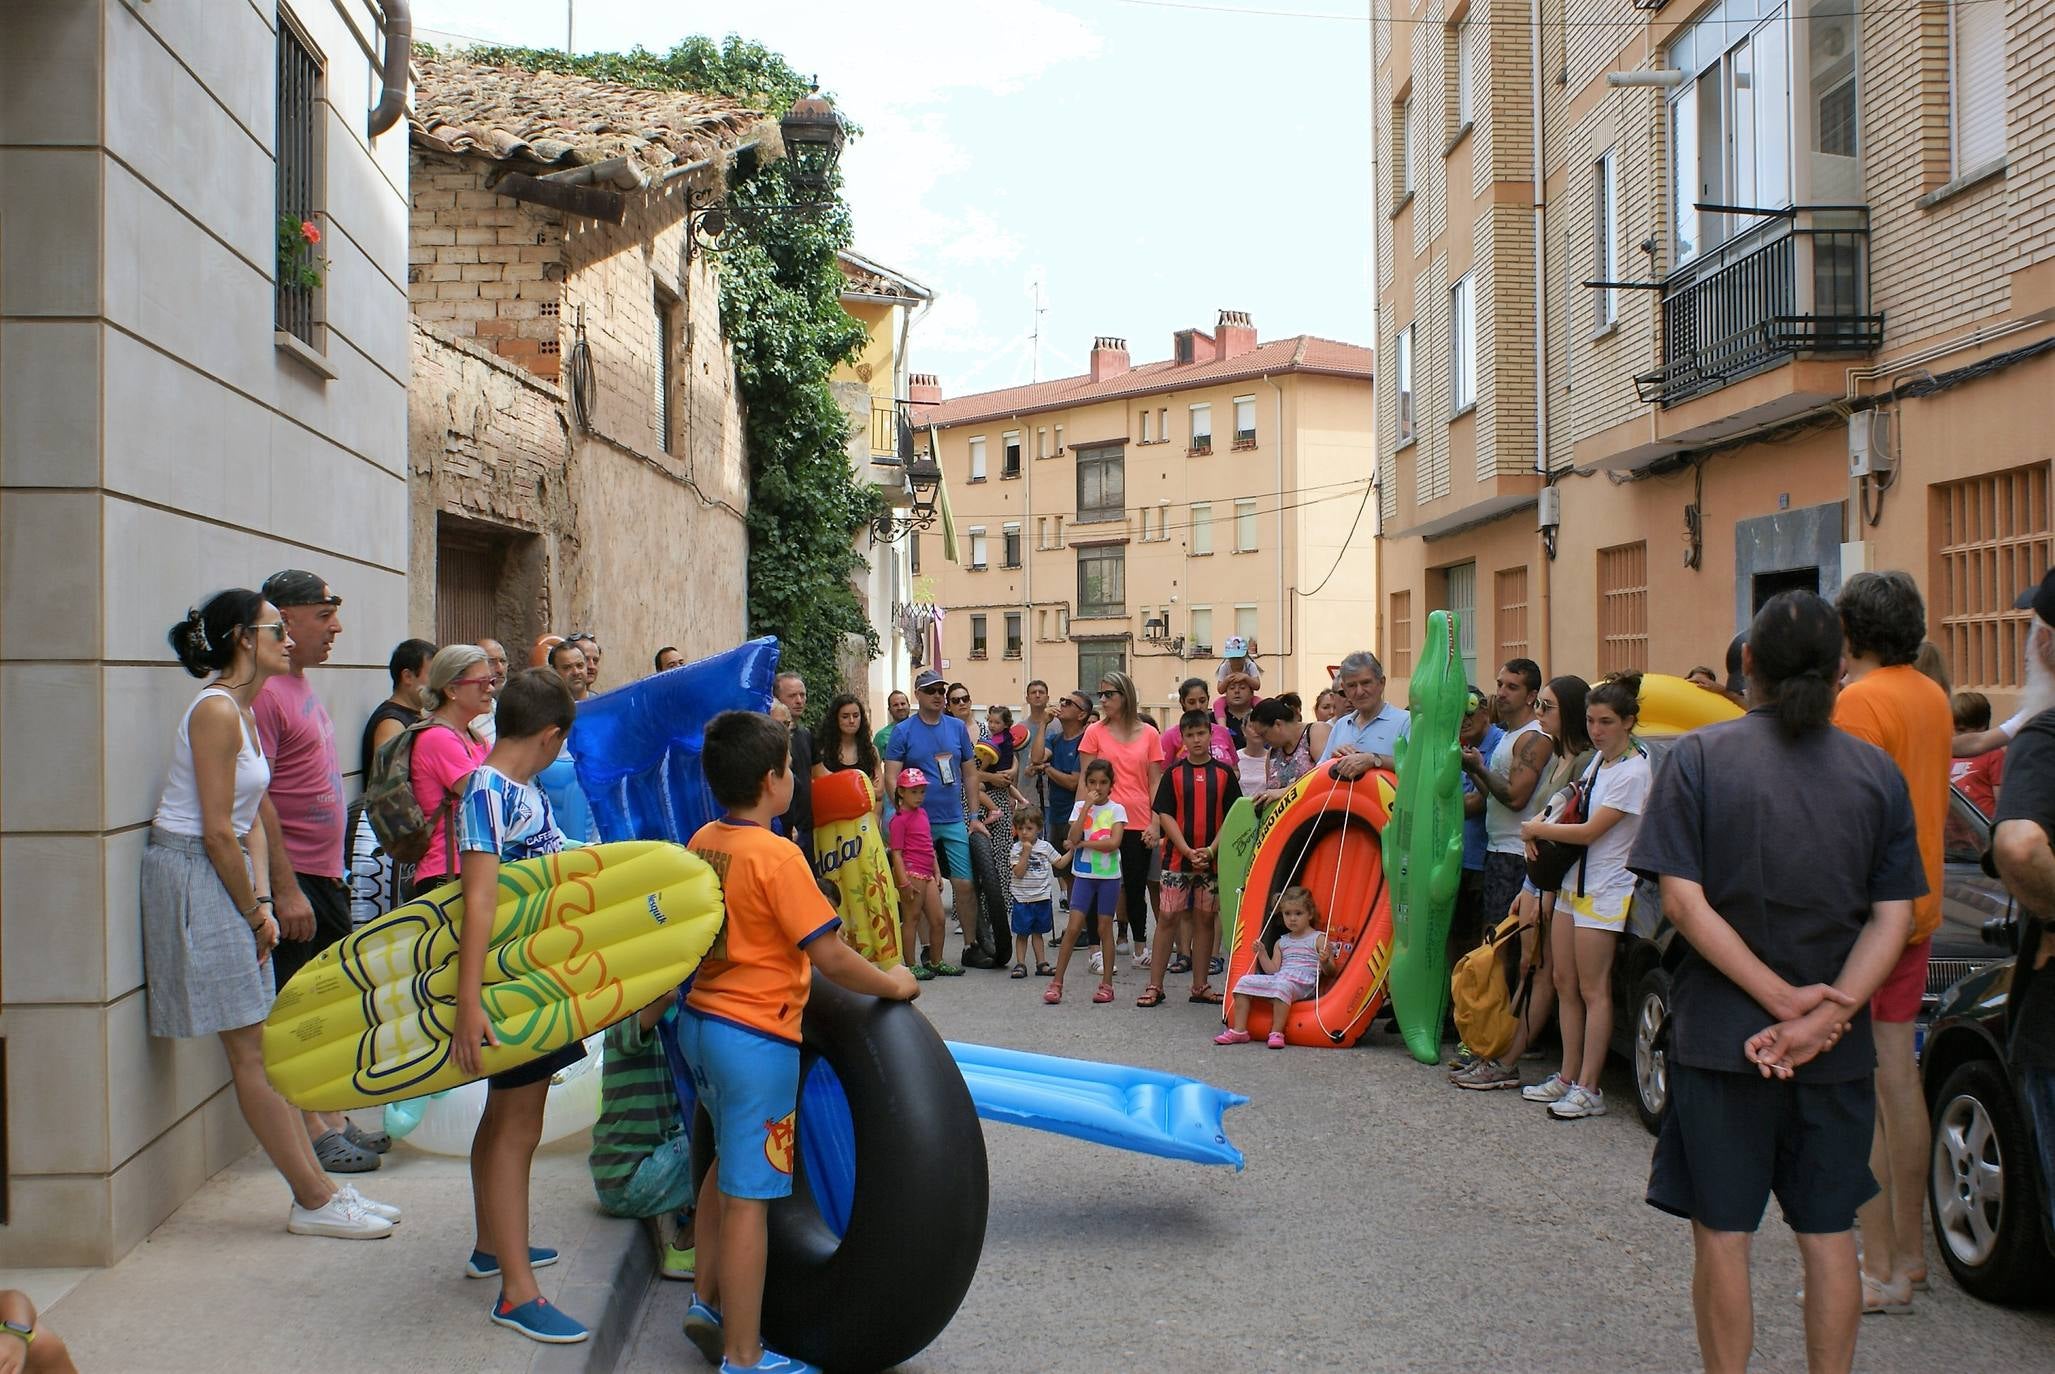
{"points": [[1984, 1185], [1971, 900]]}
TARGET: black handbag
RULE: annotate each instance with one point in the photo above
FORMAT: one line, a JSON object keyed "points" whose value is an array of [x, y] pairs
{"points": [[1553, 859]]}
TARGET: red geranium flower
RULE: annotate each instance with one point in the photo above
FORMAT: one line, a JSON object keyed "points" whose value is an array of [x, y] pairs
{"points": [[310, 231]]}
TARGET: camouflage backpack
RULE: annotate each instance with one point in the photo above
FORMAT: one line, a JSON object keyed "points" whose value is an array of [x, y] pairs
{"points": [[402, 827]]}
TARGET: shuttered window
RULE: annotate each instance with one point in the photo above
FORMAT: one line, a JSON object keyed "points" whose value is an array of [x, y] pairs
{"points": [[1510, 629], [1977, 78], [1401, 624], [1623, 608], [1991, 538]]}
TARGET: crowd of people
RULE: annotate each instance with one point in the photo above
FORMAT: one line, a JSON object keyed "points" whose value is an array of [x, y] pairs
{"points": [[1792, 1058]]}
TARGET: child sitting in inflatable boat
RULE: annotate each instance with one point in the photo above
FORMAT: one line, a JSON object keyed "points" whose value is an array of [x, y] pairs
{"points": [[1288, 972]]}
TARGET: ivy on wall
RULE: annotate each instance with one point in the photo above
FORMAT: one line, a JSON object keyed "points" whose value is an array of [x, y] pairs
{"points": [[782, 313]]}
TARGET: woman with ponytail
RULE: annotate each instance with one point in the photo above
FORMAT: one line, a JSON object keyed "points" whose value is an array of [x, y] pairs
{"points": [[208, 927], [1610, 794]]}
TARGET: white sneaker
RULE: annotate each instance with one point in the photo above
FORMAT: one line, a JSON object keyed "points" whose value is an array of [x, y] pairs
{"points": [[1577, 1103], [1098, 960], [339, 1217], [1553, 1088], [377, 1209]]}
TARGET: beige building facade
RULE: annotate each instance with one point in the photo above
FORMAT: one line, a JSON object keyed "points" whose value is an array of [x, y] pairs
{"points": [[1780, 312], [177, 415], [1136, 517]]}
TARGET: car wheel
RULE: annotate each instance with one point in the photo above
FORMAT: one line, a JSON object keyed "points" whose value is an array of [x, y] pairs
{"points": [[1651, 1011], [1982, 1186]]}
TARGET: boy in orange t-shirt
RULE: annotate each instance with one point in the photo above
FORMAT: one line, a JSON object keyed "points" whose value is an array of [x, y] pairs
{"points": [[740, 1030]]}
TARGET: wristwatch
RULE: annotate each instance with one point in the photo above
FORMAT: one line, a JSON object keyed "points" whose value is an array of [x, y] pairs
{"points": [[27, 1333]]}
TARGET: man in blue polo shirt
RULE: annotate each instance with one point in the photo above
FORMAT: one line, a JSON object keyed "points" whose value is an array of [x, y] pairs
{"points": [[1366, 737], [940, 746]]}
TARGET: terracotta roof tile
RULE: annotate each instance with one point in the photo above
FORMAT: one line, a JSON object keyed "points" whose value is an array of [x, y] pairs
{"points": [[868, 278], [1300, 353], [550, 120]]}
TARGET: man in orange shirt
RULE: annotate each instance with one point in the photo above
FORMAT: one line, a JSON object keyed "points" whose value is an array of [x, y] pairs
{"points": [[740, 1031], [1894, 706]]}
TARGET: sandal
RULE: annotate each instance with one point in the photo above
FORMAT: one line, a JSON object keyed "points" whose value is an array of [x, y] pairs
{"points": [[1152, 996], [1042, 970], [337, 1155], [1103, 993], [1053, 994], [1877, 1299], [1019, 971], [1179, 964], [1204, 993]]}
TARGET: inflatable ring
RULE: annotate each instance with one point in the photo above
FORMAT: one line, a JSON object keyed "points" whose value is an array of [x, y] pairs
{"points": [[916, 1212], [1324, 835]]}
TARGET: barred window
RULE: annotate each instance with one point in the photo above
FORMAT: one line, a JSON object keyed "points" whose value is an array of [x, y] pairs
{"points": [[1991, 538], [1511, 627], [1400, 659], [297, 174], [1623, 608]]}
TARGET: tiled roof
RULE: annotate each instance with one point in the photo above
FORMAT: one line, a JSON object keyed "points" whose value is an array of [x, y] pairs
{"points": [[1300, 353], [552, 121], [868, 278]]}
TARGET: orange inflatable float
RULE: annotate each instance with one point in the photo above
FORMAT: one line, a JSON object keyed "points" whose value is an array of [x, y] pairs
{"points": [[1323, 835]]}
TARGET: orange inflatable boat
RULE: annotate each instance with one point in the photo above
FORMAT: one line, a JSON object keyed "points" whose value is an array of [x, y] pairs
{"points": [[1323, 835]]}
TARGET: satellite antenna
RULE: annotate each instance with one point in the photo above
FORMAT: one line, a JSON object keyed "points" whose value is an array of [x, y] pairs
{"points": [[1035, 373]]}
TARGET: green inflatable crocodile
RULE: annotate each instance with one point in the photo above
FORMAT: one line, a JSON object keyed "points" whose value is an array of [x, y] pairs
{"points": [[1423, 844]]}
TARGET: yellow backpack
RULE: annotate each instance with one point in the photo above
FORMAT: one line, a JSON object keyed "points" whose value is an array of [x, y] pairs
{"points": [[1487, 1012]]}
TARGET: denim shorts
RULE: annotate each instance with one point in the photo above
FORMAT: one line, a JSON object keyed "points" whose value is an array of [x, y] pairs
{"points": [[749, 1084]]}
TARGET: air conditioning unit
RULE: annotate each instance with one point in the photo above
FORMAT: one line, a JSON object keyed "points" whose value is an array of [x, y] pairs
{"points": [[1871, 444]]}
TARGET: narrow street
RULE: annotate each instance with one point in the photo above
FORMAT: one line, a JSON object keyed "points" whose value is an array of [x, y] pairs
{"points": [[1384, 1222]]}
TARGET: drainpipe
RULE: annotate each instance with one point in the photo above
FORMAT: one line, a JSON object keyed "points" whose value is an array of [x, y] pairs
{"points": [[1283, 596], [1544, 641], [399, 47]]}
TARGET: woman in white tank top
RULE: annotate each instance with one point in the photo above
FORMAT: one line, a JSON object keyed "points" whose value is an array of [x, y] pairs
{"points": [[208, 927]]}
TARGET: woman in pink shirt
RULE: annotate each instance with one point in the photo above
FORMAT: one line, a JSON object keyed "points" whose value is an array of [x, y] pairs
{"points": [[1122, 738], [459, 691], [1194, 695]]}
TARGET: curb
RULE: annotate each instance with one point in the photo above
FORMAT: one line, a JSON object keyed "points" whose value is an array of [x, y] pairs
{"points": [[608, 1282]]}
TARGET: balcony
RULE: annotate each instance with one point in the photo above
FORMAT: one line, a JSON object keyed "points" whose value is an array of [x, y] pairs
{"points": [[891, 432], [1795, 285]]}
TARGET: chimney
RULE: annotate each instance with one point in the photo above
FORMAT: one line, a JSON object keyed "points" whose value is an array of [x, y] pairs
{"points": [[1109, 357], [1234, 335], [1189, 346], [924, 389]]}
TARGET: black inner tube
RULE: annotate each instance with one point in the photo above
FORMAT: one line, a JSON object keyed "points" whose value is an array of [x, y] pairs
{"points": [[877, 1295]]}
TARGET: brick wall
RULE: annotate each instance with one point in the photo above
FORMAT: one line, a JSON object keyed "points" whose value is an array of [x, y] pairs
{"points": [[610, 531], [483, 266]]}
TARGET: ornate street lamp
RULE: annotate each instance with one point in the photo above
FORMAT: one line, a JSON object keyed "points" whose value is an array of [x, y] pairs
{"points": [[923, 483], [813, 143]]}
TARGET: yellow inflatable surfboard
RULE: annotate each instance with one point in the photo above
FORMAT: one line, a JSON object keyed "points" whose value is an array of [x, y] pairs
{"points": [[1675, 706], [849, 851], [580, 940]]}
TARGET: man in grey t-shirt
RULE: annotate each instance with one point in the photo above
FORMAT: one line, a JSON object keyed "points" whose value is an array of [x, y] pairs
{"points": [[1788, 862]]}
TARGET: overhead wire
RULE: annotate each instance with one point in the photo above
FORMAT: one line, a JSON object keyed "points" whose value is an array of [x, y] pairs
{"points": [[1640, 20]]}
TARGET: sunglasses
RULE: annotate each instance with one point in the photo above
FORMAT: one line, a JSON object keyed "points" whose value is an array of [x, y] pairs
{"points": [[276, 628], [1108, 692], [959, 701], [577, 636], [930, 691]]}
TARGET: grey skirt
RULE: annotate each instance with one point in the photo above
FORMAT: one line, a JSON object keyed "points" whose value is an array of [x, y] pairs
{"points": [[198, 952]]}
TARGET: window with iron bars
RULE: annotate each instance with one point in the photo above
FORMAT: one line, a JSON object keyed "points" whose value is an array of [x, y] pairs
{"points": [[297, 171]]}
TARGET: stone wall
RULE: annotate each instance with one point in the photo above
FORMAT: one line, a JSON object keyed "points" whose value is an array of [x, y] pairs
{"points": [[604, 527]]}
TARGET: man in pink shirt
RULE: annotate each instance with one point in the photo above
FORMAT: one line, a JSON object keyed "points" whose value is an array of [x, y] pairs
{"points": [[304, 815]]}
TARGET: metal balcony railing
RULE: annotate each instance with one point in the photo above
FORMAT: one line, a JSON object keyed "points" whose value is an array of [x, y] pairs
{"points": [[1796, 284], [891, 432]]}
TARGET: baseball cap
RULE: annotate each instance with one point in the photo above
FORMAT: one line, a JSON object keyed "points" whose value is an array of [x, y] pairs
{"points": [[295, 587], [2040, 599], [1236, 647], [912, 777], [929, 678], [1737, 681]]}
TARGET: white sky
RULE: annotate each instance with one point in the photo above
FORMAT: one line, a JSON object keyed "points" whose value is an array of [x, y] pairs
{"points": [[1149, 165]]}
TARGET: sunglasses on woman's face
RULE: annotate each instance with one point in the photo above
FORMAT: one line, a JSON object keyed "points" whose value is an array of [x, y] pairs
{"points": [[1106, 692], [959, 701], [276, 628]]}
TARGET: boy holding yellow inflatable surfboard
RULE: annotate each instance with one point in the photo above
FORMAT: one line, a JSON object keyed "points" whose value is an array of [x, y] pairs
{"points": [[505, 816], [740, 1030]]}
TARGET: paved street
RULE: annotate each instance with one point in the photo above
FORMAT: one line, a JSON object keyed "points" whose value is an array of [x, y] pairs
{"points": [[1384, 1222]]}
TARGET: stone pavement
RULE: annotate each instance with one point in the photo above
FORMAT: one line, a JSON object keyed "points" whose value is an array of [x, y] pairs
{"points": [[1384, 1222], [221, 1286]]}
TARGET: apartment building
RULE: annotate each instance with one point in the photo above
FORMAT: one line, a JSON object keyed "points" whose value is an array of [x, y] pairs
{"points": [[1780, 312], [1135, 517]]}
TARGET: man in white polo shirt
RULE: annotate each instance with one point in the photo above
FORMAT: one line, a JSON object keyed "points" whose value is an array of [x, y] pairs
{"points": [[1368, 736]]}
